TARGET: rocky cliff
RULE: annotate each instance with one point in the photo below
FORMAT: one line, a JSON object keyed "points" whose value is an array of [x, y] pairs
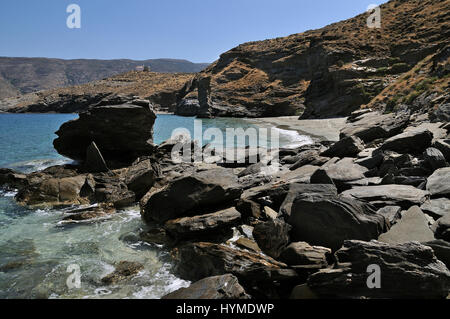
{"points": [[322, 73]]}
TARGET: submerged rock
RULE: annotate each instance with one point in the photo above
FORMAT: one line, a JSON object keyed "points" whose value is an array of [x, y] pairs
{"points": [[217, 287], [124, 270]]}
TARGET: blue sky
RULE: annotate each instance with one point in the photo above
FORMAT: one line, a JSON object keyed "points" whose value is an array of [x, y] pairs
{"points": [[196, 30]]}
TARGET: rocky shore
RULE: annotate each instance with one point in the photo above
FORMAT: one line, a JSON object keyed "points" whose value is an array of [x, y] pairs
{"points": [[313, 228]]}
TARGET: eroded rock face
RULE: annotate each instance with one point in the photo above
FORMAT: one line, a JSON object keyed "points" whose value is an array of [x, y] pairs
{"points": [[191, 194], [325, 220], [121, 132], [217, 287], [409, 270]]}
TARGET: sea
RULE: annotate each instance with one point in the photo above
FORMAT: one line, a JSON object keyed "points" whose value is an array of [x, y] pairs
{"points": [[40, 257]]}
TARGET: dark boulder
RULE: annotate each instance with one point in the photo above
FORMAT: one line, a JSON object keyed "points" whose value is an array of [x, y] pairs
{"points": [[347, 147], [434, 158], [441, 249], [190, 195], [95, 163], [217, 287], [438, 184], [141, 176], [272, 236], [409, 142], [303, 254], [203, 225], [373, 125], [441, 228], [258, 274], [444, 147], [409, 270], [121, 132], [12, 179], [327, 220]]}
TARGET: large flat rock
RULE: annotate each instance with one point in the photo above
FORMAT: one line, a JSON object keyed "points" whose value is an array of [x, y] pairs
{"points": [[413, 226], [388, 195]]}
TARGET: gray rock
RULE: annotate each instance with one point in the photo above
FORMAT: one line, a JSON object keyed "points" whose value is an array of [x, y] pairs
{"points": [[392, 195], [141, 176], [436, 207], [441, 249], [444, 147], [215, 223], [301, 253], [256, 273], [409, 270], [373, 125], [438, 183], [441, 228], [409, 142], [434, 158], [272, 236], [321, 177], [347, 147], [344, 172], [308, 157], [391, 213], [413, 226], [190, 194], [217, 287], [296, 190], [327, 220]]}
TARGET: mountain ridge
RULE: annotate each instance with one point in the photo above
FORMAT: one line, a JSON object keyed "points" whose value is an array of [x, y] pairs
{"points": [[22, 75]]}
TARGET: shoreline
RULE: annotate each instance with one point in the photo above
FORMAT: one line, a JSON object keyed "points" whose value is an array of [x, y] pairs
{"points": [[317, 129]]}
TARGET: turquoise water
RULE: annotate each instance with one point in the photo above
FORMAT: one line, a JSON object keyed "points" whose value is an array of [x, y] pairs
{"points": [[36, 250]]}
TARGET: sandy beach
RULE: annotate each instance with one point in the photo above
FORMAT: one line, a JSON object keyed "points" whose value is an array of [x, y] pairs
{"points": [[318, 130]]}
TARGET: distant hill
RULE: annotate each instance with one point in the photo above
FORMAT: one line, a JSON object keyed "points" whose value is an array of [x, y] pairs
{"points": [[162, 89], [26, 75]]}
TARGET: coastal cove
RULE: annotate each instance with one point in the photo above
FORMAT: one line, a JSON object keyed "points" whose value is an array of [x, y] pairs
{"points": [[36, 248]]}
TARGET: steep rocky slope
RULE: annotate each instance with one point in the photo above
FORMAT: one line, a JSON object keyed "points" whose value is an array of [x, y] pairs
{"points": [[321, 73], [26, 75], [162, 89]]}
